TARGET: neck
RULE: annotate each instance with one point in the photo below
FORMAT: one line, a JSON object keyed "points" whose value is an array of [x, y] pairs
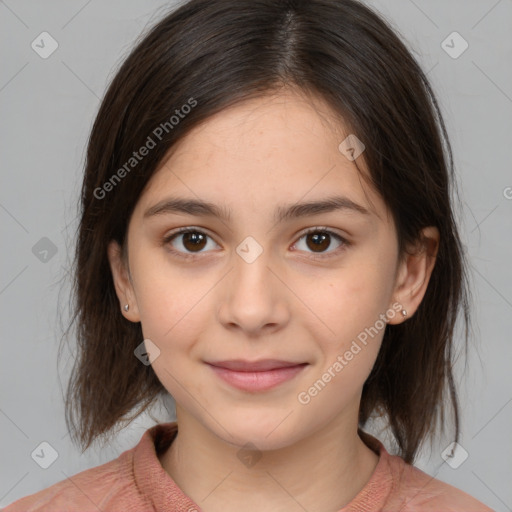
{"points": [[322, 472]]}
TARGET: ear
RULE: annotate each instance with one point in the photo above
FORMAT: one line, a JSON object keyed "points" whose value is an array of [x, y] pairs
{"points": [[122, 282], [414, 273]]}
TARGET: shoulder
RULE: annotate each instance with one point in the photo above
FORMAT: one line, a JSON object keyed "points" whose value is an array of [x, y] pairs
{"points": [[414, 490], [109, 486], [398, 486]]}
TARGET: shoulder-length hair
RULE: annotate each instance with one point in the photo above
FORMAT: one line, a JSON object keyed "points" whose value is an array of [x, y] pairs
{"points": [[211, 54]]}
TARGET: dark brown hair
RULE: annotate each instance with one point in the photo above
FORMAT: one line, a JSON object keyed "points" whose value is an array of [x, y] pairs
{"points": [[220, 52]]}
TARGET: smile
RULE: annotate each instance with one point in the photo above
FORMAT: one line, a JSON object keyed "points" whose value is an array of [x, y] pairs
{"points": [[255, 381]]}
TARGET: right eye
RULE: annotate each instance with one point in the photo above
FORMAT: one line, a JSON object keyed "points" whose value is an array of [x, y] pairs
{"points": [[190, 239]]}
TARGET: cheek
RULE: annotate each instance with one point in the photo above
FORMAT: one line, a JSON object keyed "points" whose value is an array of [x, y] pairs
{"points": [[172, 309], [349, 346], [352, 297], [348, 321], [169, 299]]}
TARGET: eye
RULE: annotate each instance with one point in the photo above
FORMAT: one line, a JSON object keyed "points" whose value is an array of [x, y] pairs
{"points": [[319, 238], [192, 240]]}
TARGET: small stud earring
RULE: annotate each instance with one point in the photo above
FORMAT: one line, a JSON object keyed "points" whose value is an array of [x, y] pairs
{"points": [[404, 312], [126, 307]]}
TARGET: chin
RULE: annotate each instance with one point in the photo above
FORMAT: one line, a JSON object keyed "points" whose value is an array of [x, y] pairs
{"points": [[266, 432]]}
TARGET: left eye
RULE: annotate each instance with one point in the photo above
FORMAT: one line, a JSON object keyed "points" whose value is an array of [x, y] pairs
{"points": [[193, 240], [320, 238]]}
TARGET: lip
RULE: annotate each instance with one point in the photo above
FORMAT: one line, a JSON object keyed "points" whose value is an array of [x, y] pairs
{"points": [[240, 365], [256, 376]]}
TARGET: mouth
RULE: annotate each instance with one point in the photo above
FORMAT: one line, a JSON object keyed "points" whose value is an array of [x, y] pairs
{"points": [[256, 376]]}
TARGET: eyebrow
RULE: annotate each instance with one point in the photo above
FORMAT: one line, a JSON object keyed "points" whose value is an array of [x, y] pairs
{"points": [[282, 213]]}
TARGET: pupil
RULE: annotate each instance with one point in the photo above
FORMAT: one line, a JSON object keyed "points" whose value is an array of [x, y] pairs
{"points": [[195, 239], [319, 238]]}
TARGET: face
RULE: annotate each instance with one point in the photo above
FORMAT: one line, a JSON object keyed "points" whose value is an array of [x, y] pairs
{"points": [[313, 289]]}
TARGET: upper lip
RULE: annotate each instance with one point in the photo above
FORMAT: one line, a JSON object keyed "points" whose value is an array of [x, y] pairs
{"points": [[247, 366]]}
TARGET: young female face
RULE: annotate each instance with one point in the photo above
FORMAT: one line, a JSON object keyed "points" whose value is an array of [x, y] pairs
{"points": [[251, 287]]}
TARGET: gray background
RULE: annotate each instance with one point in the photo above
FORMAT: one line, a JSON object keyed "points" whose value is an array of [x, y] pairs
{"points": [[47, 107]]}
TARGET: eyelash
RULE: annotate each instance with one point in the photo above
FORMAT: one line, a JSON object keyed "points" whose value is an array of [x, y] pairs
{"points": [[189, 256]]}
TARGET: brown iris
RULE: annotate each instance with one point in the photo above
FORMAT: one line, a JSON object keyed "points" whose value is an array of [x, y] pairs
{"points": [[195, 239], [320, 241]]}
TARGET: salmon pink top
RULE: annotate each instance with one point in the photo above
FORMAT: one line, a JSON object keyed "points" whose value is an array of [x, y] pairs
{"points": [[137, 482]]}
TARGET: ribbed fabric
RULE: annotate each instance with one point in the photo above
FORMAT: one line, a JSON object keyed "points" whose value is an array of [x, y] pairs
{"points": [[137, 482]]}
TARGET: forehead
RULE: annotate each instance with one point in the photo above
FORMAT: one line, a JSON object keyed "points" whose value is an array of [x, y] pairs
{"points": [[263, 126], [276, 149]]}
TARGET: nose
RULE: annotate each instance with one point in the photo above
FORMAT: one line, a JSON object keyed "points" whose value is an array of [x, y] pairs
{"points": [[254, 296]]}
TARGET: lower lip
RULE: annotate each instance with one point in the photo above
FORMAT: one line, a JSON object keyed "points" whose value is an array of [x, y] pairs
{"points": [[257, 381]]}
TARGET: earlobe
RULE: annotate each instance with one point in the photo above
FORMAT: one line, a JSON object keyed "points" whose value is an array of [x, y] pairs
{"points": [[122, 283], [415, 272]]}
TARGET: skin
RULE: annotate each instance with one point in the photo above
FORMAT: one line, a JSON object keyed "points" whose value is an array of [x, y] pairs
{"points": [[280, 149]]}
